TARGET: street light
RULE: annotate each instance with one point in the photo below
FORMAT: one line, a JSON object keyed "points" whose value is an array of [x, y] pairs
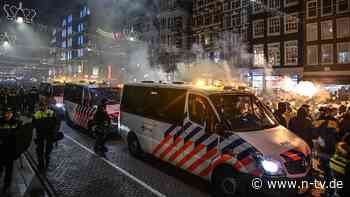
{"points": [[20, 20], [6, 44]]}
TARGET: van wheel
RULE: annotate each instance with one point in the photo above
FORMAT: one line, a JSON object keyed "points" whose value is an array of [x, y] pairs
{"points": [[227, 183], [134, 146]]}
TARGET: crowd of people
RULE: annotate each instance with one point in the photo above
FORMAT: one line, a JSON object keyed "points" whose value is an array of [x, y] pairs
{"points": [[19, 99], [328, 133]]}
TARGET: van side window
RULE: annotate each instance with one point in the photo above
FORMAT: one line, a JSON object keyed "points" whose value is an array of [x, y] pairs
{"points": [[73, 94], [201, 112]]}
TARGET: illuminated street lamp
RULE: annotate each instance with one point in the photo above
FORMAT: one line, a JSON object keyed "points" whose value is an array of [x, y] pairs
{"points": [[20, 20]]}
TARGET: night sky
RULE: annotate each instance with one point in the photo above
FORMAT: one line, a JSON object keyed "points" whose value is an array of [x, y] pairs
{"points": [[48, 10]]}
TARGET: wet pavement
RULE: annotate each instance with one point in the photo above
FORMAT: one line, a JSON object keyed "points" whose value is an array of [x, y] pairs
{"points": [[25, 181], [75, 170]]}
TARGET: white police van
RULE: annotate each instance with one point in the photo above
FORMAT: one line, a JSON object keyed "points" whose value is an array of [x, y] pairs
{"points": [[81, 100], [217, 133]]}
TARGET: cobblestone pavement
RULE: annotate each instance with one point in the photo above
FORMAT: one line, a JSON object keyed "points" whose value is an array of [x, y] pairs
{"points": [[76, 171]]}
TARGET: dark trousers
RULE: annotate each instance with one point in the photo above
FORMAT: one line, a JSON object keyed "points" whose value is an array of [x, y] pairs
{"points": [[43, 150], [8, 166]]}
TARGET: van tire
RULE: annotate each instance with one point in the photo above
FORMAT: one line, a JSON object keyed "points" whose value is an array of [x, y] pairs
{"points": [[134, 145], [227, 182]]}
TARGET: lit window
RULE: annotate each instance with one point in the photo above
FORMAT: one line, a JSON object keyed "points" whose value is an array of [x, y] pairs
{"points": [[343, 52], [95, 71], [343, 6], [291, 52], [288, 3], [326, 7], [291, 23], [70, 19], [274, 26], [257, 6], [311, 9], [64, 44], [258, 28], [70, 42], [259, 57], [312, 55], [327, 54], [64, 33], [70, 31], [274, 4], [64, 23], [326, 30], [274, 54], [311, 32], [343, 27]]}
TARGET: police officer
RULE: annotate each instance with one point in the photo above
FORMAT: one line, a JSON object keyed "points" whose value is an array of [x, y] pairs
{"points": [[102, 120], [33, 97], [325, 131], [340, 164], [8, 128], [45, 124]]}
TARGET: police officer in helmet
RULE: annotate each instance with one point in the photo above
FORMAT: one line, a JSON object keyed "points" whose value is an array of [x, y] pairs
{"points": [[44, 122], [8, 128], [102, 121]]}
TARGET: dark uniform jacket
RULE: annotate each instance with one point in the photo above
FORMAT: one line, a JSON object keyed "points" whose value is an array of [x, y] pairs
{"points": [[327, 129], [45, 124], [8, 131]]}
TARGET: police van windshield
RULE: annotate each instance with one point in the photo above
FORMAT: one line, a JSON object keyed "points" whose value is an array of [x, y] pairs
{"points": [[110, 94], [58, 90], [243, 113]]}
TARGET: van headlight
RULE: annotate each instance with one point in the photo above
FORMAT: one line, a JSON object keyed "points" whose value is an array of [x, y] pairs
{"points": [[59, 105], [271, 167]]}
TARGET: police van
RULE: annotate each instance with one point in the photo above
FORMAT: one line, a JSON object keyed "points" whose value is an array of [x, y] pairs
{"points": [[81, 101], [217, 133]]}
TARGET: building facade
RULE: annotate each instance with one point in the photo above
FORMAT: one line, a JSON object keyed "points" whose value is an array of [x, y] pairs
{"points": [[175, 33], [327, 45]]}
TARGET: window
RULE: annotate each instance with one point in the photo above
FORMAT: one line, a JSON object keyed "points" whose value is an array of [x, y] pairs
{"points": [[274, 54], [70, 30], [236, 20], [327, 54], [343, 27], [312, 55], [235, 4], [326, 7], [311, 8], [291, 23], [258, 28], [81, 40], [64, 33], [291, 52], [274, 4], [227, 5], [64, 23], [274, 26], [343, 52], [73, 93], [70, 19], [288, 3], [326, 30], [70, 43], [257, 6], [64, 44], [343, 6], [259, 56], [311, 32], [81, 27], [228, 21]]}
